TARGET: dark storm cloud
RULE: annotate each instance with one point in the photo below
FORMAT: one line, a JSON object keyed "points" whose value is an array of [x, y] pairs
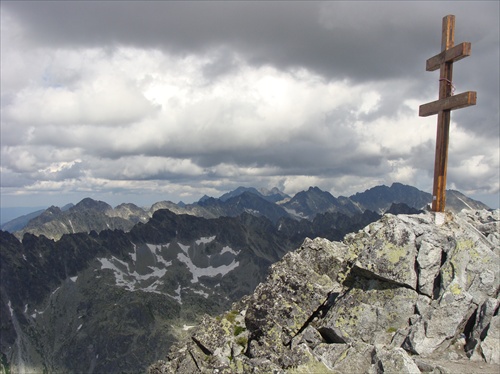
{"points": [[361, 40], [224, 93], [15, 180], [358, 41]]}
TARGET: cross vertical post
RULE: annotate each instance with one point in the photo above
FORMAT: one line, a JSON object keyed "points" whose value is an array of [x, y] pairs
{"points": [[447, 102], [444, 116]]}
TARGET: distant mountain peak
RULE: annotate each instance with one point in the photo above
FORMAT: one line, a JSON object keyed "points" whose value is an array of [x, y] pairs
{"points": [[274, 195], [315, 189], [203, 198], [380, 198], [52, 210], [307, 204], [238, 191], [303, 205], [89, 203]]}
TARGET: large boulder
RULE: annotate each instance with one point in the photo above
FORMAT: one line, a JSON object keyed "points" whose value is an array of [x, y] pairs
{"points": [[405, 294]]}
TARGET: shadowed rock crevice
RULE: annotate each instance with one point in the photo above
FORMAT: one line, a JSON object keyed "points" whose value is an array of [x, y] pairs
{"points": [[194, 360], [319, 314], [437, 281], [204, 349], [470, 341], [330, 336]]}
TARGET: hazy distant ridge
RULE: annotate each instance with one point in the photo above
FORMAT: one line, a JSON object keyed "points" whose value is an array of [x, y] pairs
{"points": [[273, 204]]}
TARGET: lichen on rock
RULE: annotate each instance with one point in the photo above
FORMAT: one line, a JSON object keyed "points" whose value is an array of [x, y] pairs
{"points": [[402, 295]]}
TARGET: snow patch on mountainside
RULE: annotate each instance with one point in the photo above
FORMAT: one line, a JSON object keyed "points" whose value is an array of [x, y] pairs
{"points": [[178, 295], [148, 266], [208, 271], [202, 293], [184, 247], [9, 304], [296, 214], [156, 250], [205, 240], [228, 249], [132, 281]]}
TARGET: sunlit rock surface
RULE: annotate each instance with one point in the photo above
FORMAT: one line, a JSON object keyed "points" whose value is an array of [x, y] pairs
{"points": [[402, 295]]}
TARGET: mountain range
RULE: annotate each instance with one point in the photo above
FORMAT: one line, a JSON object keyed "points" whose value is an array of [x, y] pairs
{"points": [[114, 301], [114, 297], [273, 204]]}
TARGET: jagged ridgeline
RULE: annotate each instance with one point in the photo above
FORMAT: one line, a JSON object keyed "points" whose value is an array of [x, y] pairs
{"points": [[403, 295], [90, 215], [114, 302], [114, 288]]}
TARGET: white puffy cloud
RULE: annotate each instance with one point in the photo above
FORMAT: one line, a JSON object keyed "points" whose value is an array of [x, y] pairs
{"points": [[202, 113]]}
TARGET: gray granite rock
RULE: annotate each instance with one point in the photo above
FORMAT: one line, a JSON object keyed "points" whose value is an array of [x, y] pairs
{"points": [[398, 296], [490, 346], [396, 360]]}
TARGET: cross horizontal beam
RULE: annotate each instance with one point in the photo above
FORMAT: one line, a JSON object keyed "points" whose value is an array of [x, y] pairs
{"points": [[453, 102], [453, 54]]}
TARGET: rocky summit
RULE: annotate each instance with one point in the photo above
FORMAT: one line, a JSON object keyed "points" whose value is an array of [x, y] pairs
{"points": [[403, 295]]}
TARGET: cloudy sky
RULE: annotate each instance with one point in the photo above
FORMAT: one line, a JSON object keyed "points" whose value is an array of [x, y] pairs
{"points": [[147, 101]]}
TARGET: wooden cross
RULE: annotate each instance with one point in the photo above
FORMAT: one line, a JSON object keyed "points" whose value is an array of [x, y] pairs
{"points": [[447, 102]]}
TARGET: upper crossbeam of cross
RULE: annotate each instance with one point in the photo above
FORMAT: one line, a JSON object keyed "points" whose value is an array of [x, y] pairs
{"points": [[447, 102]]}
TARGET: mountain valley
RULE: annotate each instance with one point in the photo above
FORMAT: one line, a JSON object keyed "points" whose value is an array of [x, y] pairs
{"points": [[115, 296]]}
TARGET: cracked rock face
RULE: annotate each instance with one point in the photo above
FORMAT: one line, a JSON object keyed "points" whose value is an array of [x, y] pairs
{"points": [[398, 296]]}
